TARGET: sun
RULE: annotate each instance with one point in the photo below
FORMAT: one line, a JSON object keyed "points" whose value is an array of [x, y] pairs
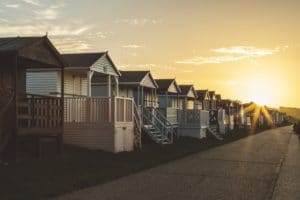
{"points": [[261, 91]]}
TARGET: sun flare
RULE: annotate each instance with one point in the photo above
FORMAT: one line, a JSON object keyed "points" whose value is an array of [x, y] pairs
{"points": [[261, 91]]}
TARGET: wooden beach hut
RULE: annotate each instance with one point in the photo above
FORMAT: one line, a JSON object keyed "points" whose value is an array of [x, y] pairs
{"points": [[168, 99], [96, 117], [143, 88], [193, 122], [27, 116]]}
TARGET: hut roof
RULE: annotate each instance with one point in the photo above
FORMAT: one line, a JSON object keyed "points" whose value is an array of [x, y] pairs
{"points": [[82, 59], [185, 89], [135, 77], [16, 43], [201, 94]]}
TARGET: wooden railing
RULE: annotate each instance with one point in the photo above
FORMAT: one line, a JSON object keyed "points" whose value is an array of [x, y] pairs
{"points": [[170, 114], [103, 110], [37, 112], [193, 117], [123, 109]]}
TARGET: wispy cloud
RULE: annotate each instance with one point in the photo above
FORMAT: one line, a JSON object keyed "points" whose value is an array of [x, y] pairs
{"points": [[132, 46], [32, 2], [48, 14], [72, 45], [232, 54], [12, 6], [53, 30], [246, 50], [137, 21], [147, 66]]}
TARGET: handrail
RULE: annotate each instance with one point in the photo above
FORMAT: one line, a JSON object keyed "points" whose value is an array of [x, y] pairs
{"points": [[160, 122], [138, 124]]}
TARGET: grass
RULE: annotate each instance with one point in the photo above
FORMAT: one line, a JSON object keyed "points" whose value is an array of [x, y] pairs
{"points": [[79, 168]]}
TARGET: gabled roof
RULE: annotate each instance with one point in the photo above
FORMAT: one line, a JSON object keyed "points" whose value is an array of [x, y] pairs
{"points": [[16, 43], [165, 84], [135, 77], [201, 94], [82, 59], [211, 94], [185, 90], [218, 97], [32, 48], [86, 60]]}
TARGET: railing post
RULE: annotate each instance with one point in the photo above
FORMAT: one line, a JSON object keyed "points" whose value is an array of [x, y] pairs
{"points": [[115, 110], [125, 109]]}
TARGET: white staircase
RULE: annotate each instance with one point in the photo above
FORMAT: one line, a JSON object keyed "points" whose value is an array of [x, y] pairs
{"points": [[213, 130], [159, 129]]}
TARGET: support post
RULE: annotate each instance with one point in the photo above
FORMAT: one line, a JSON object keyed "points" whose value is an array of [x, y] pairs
{"points": [[109, 86]]}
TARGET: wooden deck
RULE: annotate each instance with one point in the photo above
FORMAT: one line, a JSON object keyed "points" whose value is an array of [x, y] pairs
{"points": [[99, 123]]}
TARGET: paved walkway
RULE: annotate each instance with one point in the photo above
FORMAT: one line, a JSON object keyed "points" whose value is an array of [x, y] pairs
{"points": [[264, 166]]}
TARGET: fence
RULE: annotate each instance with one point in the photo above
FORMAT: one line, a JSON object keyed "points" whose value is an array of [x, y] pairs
{"points": [[103, 110]]}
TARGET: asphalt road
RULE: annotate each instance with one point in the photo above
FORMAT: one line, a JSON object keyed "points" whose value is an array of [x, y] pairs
{"points": [[263, 166]]}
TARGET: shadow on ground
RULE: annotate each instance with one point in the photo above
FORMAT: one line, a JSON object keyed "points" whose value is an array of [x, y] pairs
{"points": [[80, 168]]}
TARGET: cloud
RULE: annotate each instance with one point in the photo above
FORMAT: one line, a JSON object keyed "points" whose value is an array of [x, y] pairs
{"points": [[32, 2], [72, 45], [140, 22], [53, 30], [148, 66], [48, 14], [132, 46], [246, 50], [12, 6], [232, 54]]}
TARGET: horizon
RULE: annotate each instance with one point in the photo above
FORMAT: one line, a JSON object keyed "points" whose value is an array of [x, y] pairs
{"points": [[242, 50]]}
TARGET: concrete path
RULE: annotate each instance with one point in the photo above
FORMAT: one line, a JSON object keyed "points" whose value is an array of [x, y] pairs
{"points": [[264, 166]]}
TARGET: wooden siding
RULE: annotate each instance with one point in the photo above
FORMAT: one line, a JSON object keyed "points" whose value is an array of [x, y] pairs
{"points": [[126, 92], [148, 82], [99, 123], [170, 114], [173, 88], [75, 83], [43, 83], [103, 65], [90, 136], [191, 94]]}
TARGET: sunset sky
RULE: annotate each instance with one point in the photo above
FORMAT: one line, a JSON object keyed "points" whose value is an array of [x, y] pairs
{"points": [[247, 50]]}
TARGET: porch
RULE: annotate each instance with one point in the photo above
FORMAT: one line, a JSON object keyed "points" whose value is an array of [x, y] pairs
{"points": [[193, 123], [100, 123]]}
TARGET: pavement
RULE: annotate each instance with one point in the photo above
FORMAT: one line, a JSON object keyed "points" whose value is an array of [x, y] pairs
{"points": [[263, 166]]}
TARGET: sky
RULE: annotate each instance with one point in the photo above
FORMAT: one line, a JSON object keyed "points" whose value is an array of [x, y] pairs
{"points": [[246, 50]]}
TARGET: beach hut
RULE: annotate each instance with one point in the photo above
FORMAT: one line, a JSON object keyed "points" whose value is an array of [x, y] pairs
{"points": [[96, 117], [24, 116], [168, 99], [188, 97], [228, 106], [141, 86], [213, 112], [203, 99], [193, 121]]}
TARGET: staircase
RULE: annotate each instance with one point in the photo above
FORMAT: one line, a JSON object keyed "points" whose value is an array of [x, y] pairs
{"points": [[213, 130], [137, 128], [159, 129]]}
